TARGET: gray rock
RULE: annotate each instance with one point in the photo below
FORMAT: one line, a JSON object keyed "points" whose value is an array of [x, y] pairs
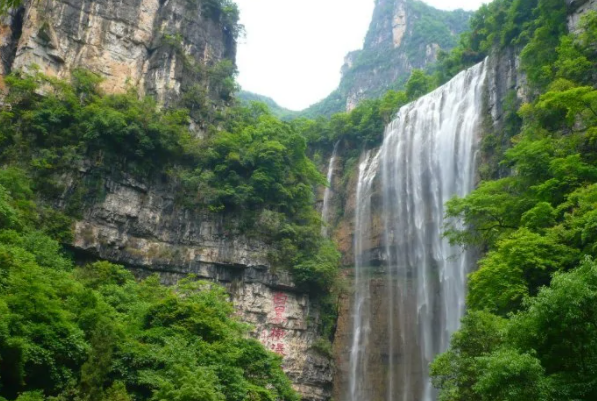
{"points": [[141, 226], [121, 40], [163, 47]]}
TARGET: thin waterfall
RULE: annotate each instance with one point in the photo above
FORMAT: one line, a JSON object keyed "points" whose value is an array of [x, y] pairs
{"points": [[362, 307], [327, 196], [428, 156]]}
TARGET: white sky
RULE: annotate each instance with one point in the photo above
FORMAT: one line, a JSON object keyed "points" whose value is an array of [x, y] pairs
{"points": [[293, 49]]}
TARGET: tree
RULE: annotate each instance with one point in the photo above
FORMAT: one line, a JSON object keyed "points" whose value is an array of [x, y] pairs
{"points": [[6, 5], [418, 84]]}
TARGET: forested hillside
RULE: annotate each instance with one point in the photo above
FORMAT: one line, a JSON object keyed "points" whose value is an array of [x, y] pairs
{"points": [[92, 332], [76, 327], [277, 110], [530, 333]]}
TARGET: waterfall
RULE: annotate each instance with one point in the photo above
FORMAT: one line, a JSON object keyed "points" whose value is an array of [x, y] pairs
{"points": [[362, 306], [327, 196], [427, 157]]}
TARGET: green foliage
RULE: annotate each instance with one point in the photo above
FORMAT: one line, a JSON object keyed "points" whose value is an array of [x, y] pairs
{"points": [[534, 25], [248, 164], [72, 122], [277, 110], [363, 126], [94, 333], [532, 298], [5, 5], [455, 372], [544, 352], [496, 142], [520, 264], [419, 84], [225, 12]]}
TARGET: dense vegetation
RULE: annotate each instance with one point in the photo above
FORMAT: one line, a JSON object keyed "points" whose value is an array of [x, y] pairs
{"points": [[251, 164], [277, 110], [531, 330], [532, 25], [94, 333]]}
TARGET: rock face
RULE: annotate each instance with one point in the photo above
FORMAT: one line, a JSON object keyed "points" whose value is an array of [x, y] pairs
{"points": [[577, 9], [10, 32], [140, 226], [163, 48], [154, 45], [403, 35]]}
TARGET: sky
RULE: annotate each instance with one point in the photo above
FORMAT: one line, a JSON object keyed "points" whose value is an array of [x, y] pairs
{"points": [[293, 49]]}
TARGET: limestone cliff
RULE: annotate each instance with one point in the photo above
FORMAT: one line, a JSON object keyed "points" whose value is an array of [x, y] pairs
{"points": [[577, 9], [157, 46], [164, 48], [140, 225], [403, 35]]}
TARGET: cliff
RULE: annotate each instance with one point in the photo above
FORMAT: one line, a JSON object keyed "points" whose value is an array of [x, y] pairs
{"points": [[506, 88], [577, 9], [167, 49], [163, 48], [139, 225], [403, 35]]}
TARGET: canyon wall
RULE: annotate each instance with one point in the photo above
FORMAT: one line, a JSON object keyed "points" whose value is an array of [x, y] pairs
{"points": [[155, 46], [141, 226], [164, 48]]}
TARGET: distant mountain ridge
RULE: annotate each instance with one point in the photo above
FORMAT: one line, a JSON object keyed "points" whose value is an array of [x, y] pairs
{"points": [[403, 35], [275, 108]]}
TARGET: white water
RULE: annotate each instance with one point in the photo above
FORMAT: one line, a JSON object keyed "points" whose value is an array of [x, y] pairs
{"points": [[428, 156], [362, 309], [327, 196]]}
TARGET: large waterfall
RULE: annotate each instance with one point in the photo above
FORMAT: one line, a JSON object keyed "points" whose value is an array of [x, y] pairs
{"points": [[409, 299]]}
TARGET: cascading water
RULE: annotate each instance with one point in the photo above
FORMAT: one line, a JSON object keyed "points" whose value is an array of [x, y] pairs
{"points": [[361, 324], [327, 196], [428, 156]]}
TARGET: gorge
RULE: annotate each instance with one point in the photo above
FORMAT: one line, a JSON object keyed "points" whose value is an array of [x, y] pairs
{"points": [[159, 240]]}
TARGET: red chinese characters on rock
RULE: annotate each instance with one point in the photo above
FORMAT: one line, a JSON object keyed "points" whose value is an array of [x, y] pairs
{"points": [[280, 307], [277, 334], [279, 349], [273, 338]]}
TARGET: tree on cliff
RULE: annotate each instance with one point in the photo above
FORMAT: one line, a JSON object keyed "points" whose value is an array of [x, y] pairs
{"points": [[8, 4], [94, 333]]}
